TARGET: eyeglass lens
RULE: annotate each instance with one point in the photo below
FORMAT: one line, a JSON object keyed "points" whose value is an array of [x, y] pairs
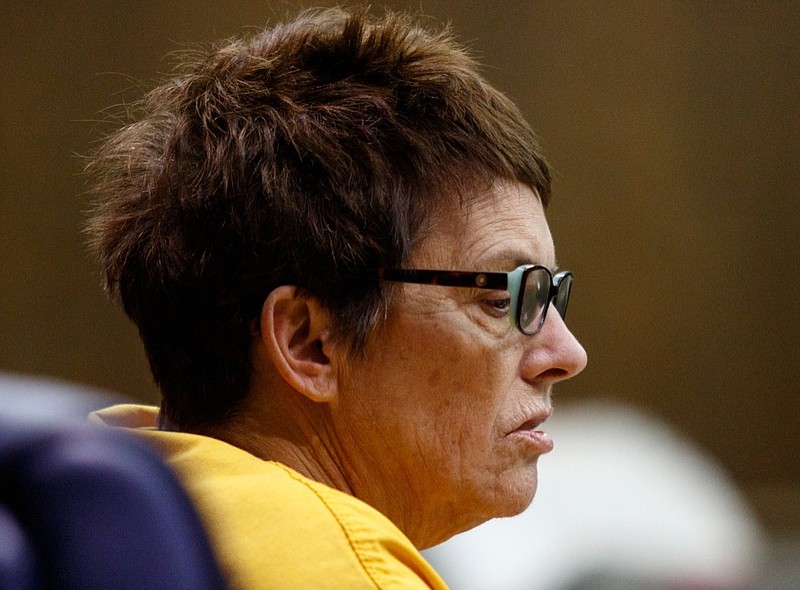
{"points": [[536, 298], [564, 283]]}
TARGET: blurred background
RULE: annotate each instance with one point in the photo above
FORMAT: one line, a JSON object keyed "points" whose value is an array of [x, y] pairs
{"points": [[673, 128]]}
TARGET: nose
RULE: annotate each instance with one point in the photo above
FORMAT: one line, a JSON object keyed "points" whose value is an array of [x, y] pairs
{"points": [[553, 354]]}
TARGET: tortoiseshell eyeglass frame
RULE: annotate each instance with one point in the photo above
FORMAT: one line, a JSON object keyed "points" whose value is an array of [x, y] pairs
{"points": [[529, 305]]}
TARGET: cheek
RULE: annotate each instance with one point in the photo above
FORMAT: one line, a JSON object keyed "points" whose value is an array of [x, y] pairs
{"points": [[468, 387], [446, 386]]}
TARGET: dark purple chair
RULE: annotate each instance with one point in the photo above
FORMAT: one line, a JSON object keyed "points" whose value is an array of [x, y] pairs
{"points": [[87, 507]]}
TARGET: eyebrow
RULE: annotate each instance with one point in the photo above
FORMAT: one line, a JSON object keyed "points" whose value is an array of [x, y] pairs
{"points": [[508, 260]]}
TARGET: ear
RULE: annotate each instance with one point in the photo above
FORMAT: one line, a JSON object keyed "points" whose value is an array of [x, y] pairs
{"points": [[296, 334]]}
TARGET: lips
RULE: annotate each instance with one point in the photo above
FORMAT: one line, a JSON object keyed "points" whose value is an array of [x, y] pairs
{"points": [[534, 420], [537, 441]]}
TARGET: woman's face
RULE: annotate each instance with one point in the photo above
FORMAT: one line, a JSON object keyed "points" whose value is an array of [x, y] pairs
{"points": [[439, 424]]}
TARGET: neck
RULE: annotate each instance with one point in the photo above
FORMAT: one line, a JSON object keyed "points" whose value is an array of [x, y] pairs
{"points": [[279, 424], [297, 438]]}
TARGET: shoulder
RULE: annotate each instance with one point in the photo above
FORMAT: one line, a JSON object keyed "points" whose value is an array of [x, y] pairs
{"points": [[273, 527], [384, 553]]}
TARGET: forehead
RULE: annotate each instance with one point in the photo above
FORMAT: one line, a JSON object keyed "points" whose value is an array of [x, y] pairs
{"points": [[497, 228]]}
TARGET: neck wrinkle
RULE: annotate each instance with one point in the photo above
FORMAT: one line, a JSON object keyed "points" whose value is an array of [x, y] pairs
{"points": [[291, 439]]}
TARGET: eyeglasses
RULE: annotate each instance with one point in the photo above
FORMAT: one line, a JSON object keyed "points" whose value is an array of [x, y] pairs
{"points": [[531, 289]]}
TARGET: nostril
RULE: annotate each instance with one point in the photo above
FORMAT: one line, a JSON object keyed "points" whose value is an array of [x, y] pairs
{"points": [[554, 374]]}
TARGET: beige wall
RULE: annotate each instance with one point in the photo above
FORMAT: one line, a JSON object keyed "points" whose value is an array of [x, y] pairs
{"points": [[673, 129]]}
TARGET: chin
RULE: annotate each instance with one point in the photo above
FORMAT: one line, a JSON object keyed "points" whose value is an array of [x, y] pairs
{"points": [[516, 496], [507, 495], [506, 505]]}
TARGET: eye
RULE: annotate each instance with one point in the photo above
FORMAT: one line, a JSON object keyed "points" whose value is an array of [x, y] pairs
{"points": [[498, 306]]}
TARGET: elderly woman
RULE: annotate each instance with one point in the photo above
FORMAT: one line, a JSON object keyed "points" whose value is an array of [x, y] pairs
{"points": [[332, 240]]}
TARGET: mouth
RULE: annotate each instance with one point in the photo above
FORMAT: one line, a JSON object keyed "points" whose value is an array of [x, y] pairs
{"points": [[535, 420], [527, 433]]}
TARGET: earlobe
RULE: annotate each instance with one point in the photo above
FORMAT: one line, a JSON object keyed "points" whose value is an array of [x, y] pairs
{"points": [[296, 335]]}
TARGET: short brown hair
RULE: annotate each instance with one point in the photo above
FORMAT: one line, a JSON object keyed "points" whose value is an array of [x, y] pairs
{"points": [[300, 156]]}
